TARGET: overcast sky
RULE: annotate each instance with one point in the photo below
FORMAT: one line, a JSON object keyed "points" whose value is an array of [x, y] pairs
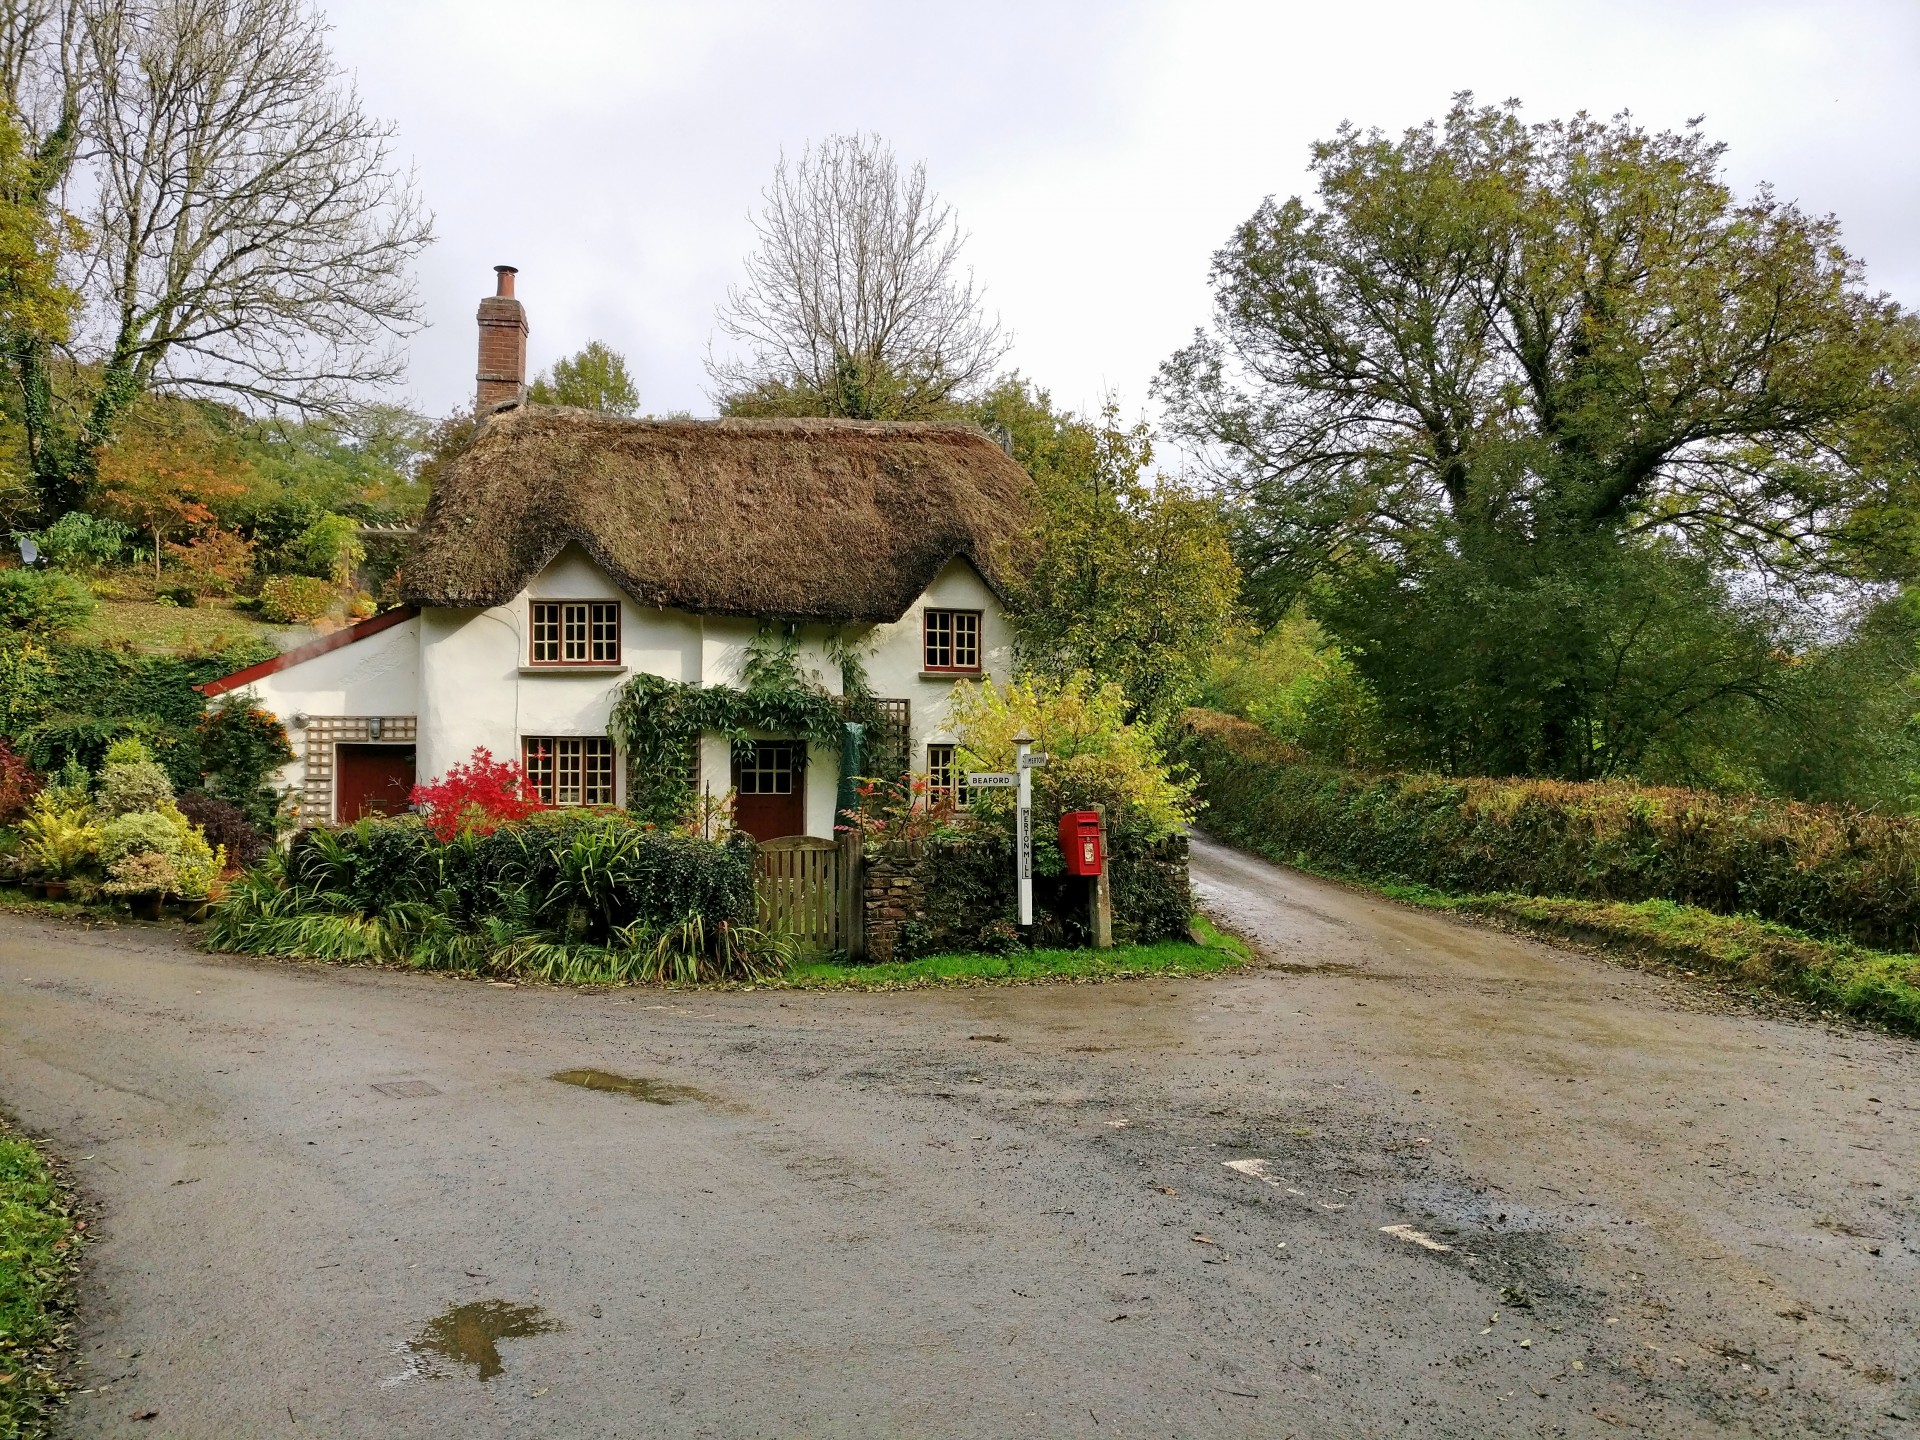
{"points": [[1097, 153]]}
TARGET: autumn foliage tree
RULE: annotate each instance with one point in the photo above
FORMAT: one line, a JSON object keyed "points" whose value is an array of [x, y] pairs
{"points": [[476, 796]]}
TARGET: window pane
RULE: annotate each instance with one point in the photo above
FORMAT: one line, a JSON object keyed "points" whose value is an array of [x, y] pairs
{"points": [[768, 770], [606, 633], [966, 640], [537, 757], [597, 782], [940, 771], [566, 772], [939, 639], [573, 637], [546, 633]]}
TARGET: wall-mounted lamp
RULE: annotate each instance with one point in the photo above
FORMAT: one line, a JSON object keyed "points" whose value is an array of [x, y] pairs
{"points": [[375, 727]]}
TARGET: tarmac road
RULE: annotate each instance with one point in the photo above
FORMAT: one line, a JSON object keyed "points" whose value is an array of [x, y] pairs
{"points": [[1131, 1209]]}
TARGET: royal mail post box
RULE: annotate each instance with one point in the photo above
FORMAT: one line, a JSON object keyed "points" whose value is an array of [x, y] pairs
{"points": [[1080, 842]]}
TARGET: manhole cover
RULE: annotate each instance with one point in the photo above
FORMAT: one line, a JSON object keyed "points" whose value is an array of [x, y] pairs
{"points": [[406, 1089]]}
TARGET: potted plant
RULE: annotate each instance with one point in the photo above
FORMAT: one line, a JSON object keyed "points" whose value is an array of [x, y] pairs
{"points": [[56, 841], [144, 881]]}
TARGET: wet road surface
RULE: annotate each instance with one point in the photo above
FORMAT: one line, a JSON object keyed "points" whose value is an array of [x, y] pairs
{"points": [[1291, 1202]]}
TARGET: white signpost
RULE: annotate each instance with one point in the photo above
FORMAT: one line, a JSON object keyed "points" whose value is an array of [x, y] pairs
{"points": [[1025, 763], [1019, 780]]}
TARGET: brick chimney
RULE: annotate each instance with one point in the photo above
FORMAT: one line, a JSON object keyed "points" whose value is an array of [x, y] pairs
{"points": [[503, 346]]}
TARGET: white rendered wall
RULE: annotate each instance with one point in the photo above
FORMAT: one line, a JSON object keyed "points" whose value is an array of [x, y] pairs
{"points": [[379, 675], [895, 654], [463, 674]]}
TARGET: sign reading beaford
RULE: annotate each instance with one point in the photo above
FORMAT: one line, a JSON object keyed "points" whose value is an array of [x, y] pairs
{"points": [[993, 779]]}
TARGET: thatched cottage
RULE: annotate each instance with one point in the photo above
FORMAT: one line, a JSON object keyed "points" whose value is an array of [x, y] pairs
{"points": [[564, 550]]}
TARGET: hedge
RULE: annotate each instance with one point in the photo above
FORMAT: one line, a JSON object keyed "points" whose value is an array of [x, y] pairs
{"points": [[583, 874], [1822, 869], [972, 900]]}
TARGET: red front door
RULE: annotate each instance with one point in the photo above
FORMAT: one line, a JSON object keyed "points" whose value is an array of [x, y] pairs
{"points": [[371, 780], [770, 790]]}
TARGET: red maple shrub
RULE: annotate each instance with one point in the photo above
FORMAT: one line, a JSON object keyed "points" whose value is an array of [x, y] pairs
{"points": [[476, 797], [18, 783]]}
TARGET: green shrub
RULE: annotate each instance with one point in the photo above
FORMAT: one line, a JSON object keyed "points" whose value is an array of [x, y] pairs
{"points": [[575, 896], [242, 747], [143, 832], [79, 541], [130, 787], [1824, 869], [42, 604], [69, 702], [330, 548], [39, 1253], [296, 599]]}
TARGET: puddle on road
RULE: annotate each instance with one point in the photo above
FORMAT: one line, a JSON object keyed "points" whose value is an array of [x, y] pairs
{"points": [[469, 1334], [654, 1092]]}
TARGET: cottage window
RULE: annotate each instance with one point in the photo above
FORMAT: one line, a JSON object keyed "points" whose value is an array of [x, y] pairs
{"points": [[576, 632], [564, 770], [943, 776], [953, 640], [770, 769]]}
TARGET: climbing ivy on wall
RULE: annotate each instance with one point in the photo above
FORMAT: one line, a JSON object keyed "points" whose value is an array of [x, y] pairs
{"points": [[658, 722]]}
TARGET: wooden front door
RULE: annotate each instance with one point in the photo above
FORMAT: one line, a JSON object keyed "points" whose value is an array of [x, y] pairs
{"points": [[371, 780], [770, 790]]}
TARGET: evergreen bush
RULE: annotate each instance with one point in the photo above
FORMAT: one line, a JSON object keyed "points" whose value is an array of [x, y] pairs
{"points": [[296, 599], [42, 604]]}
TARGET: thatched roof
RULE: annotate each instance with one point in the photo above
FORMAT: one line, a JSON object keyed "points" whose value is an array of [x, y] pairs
{"points": [[801, 519]]}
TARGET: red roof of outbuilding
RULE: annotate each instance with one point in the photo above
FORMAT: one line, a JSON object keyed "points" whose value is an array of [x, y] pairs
{"points": [[339, 639]]}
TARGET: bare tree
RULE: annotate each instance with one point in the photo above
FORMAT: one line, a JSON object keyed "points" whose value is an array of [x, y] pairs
{"points": [[251, 235], [854, 303]]}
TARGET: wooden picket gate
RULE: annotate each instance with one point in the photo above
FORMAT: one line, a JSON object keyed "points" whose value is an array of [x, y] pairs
{"points": [[810, 889]]}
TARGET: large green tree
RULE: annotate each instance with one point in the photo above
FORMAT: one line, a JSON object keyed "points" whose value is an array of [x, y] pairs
{"points": [[595, 378], [1131, 579], [1531, 414]]}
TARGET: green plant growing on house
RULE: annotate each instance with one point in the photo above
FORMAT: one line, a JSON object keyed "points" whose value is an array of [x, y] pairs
{"points": [[657, 722]]}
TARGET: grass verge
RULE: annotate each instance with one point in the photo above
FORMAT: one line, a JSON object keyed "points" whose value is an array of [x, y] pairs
{"points": [[1838, 976], [39, 1251], [1216, 951]]}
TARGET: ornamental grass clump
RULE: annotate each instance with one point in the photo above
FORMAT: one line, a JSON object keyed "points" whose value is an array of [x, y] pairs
{"points": [[573, 897]]}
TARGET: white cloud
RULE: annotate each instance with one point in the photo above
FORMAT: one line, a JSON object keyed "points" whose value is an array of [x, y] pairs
{"points": [[1097, 152]]}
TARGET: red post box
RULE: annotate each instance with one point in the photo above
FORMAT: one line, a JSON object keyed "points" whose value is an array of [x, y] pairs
{"points": [[1080, 842]]}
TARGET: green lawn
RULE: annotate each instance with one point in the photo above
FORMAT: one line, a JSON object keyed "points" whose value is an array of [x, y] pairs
{"points": [[149, 628], [39, 1244], [1174, 957]]}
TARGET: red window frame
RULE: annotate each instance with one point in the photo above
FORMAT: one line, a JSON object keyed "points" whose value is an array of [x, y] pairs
{"points": [[950, 641], [569, 770], [573, 632], [943, 774]]}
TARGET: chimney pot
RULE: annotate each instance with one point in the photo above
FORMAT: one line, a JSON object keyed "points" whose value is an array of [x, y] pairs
{"points": [[502, 376]]}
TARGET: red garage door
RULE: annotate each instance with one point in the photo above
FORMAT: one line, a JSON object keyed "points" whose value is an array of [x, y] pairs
{"points": [[371, 780]]}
